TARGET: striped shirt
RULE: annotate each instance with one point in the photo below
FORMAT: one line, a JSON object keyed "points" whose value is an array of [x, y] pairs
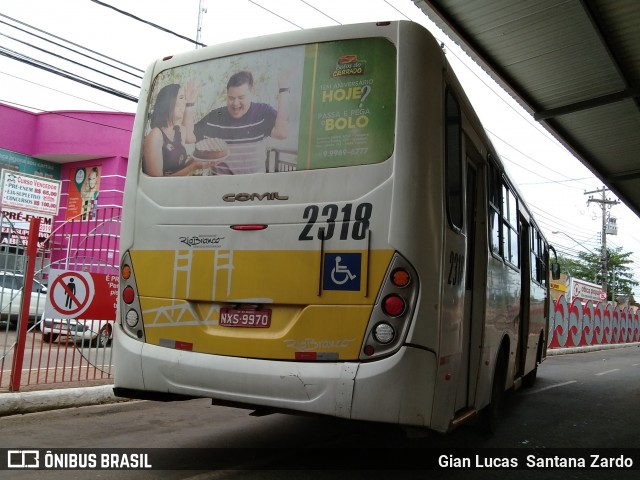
{"points": [[245, 137]]}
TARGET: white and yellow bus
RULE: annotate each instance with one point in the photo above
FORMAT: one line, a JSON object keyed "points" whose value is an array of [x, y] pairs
{"points": [[376, 263]]}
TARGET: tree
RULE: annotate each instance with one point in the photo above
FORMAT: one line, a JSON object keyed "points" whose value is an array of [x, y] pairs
{"points": [[588, 267]]}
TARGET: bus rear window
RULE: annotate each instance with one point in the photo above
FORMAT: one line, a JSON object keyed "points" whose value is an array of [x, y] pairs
{"points": [[304, 107]]}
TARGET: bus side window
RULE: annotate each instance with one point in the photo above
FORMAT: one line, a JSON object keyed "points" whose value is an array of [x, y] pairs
{"points": [[539, 270], [453, 161], [510, 234], [495, 199]]}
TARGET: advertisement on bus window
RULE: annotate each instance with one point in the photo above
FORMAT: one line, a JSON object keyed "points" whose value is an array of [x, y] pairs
{"points": [[305, 107]]}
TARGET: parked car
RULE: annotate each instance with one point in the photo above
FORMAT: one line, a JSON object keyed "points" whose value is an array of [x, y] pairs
{"points": [[98, 332], [11, 285]]}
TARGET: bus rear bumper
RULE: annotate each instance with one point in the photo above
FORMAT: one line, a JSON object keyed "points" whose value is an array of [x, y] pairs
{"points": [[365, 391]]}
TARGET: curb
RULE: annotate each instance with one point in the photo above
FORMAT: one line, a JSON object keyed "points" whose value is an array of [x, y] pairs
{"points": [[589, 348], [40, 401]]}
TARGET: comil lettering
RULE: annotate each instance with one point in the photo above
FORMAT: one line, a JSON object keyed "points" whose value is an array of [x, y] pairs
{"points": [[246, 197]]}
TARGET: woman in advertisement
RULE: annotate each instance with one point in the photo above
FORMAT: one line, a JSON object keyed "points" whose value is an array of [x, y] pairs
{"points": [[164, 151], [89, 194]]}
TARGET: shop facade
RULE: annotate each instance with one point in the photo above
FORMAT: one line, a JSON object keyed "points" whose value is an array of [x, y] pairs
{"points": [[83, 156]]}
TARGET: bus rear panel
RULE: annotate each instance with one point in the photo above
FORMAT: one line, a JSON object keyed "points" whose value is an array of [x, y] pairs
{"points": [[323, 277]]}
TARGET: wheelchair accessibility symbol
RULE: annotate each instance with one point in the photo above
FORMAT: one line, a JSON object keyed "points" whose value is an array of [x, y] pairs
{"points": [[342, 271]]}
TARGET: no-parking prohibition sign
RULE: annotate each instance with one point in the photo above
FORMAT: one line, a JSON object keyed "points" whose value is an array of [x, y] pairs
{"points": [[70, 294]]}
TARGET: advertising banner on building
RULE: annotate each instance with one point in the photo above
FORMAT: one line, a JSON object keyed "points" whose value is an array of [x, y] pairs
{"points": [[15, 227], [30, 193], [585, 291], [84, 188], [24, 164]]}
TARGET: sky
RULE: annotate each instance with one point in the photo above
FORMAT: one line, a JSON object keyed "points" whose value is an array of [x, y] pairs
{"points": [[552, 181]]}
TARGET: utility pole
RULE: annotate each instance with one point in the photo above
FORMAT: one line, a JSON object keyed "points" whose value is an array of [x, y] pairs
{"points": [[201, 10], [604, 203]]}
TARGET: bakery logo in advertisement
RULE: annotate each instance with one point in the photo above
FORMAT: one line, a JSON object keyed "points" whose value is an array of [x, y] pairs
{"points": [[348, 65], [202, 241]]}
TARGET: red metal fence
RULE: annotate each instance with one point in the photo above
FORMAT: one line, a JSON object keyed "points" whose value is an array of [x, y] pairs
{"points": [[43, 349]]}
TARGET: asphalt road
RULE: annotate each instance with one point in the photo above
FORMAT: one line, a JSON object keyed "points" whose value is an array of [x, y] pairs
{"points": [[581, 401]]}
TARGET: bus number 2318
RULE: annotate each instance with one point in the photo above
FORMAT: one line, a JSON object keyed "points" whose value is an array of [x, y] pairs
{"points": [[332, 214]]}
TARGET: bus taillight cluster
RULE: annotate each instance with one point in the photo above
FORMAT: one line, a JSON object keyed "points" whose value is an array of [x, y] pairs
{"points": [[130, 310], [391, 315]]}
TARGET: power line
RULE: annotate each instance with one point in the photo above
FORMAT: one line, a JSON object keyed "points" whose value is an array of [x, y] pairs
{"points": [[529, 157], [148, 23], [532, 171], [320, 11], [69, 60], [70, 49], [540, 213], [58, 71], [71, 43], [279, 16], [555, 181], [58, 91], [535, 125], [396, 9]]}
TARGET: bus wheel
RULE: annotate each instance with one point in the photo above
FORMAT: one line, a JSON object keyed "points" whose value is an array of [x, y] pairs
{"points": [[490, 416]]}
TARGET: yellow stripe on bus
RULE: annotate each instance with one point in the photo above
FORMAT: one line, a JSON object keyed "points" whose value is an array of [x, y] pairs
{"points": [[330, 330], [284, 277], [181, 293]]}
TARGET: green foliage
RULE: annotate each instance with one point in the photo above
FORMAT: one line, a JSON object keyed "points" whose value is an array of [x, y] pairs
{"points": [[588, 267]]}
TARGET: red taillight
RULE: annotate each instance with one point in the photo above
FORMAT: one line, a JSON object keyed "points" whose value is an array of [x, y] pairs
{"points": [[128, 295], [400, 277], [393, 305], [248, 227]]}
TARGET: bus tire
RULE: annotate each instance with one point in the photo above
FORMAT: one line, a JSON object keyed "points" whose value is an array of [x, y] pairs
{"points": [[490, 415]]}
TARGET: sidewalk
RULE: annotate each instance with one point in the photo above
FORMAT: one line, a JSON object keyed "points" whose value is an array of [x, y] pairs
{"points": [[14, 403], [79, 396]]}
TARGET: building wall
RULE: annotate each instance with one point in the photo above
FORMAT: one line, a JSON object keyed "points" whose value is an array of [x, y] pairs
{"points": [[17, 129], [67, 141], [75, 135]]}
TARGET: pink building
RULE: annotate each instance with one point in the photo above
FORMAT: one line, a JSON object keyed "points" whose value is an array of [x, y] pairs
{"points": [[87, 152]]}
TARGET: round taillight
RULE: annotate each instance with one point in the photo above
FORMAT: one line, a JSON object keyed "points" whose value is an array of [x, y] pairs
{"points": [[132, 318], [369, 350], [126, 272], [384, 333], [393, 305], [128, 295], [400, 278]]}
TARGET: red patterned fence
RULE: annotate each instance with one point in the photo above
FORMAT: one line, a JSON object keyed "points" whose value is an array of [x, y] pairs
{"points": [[577, 324]]}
